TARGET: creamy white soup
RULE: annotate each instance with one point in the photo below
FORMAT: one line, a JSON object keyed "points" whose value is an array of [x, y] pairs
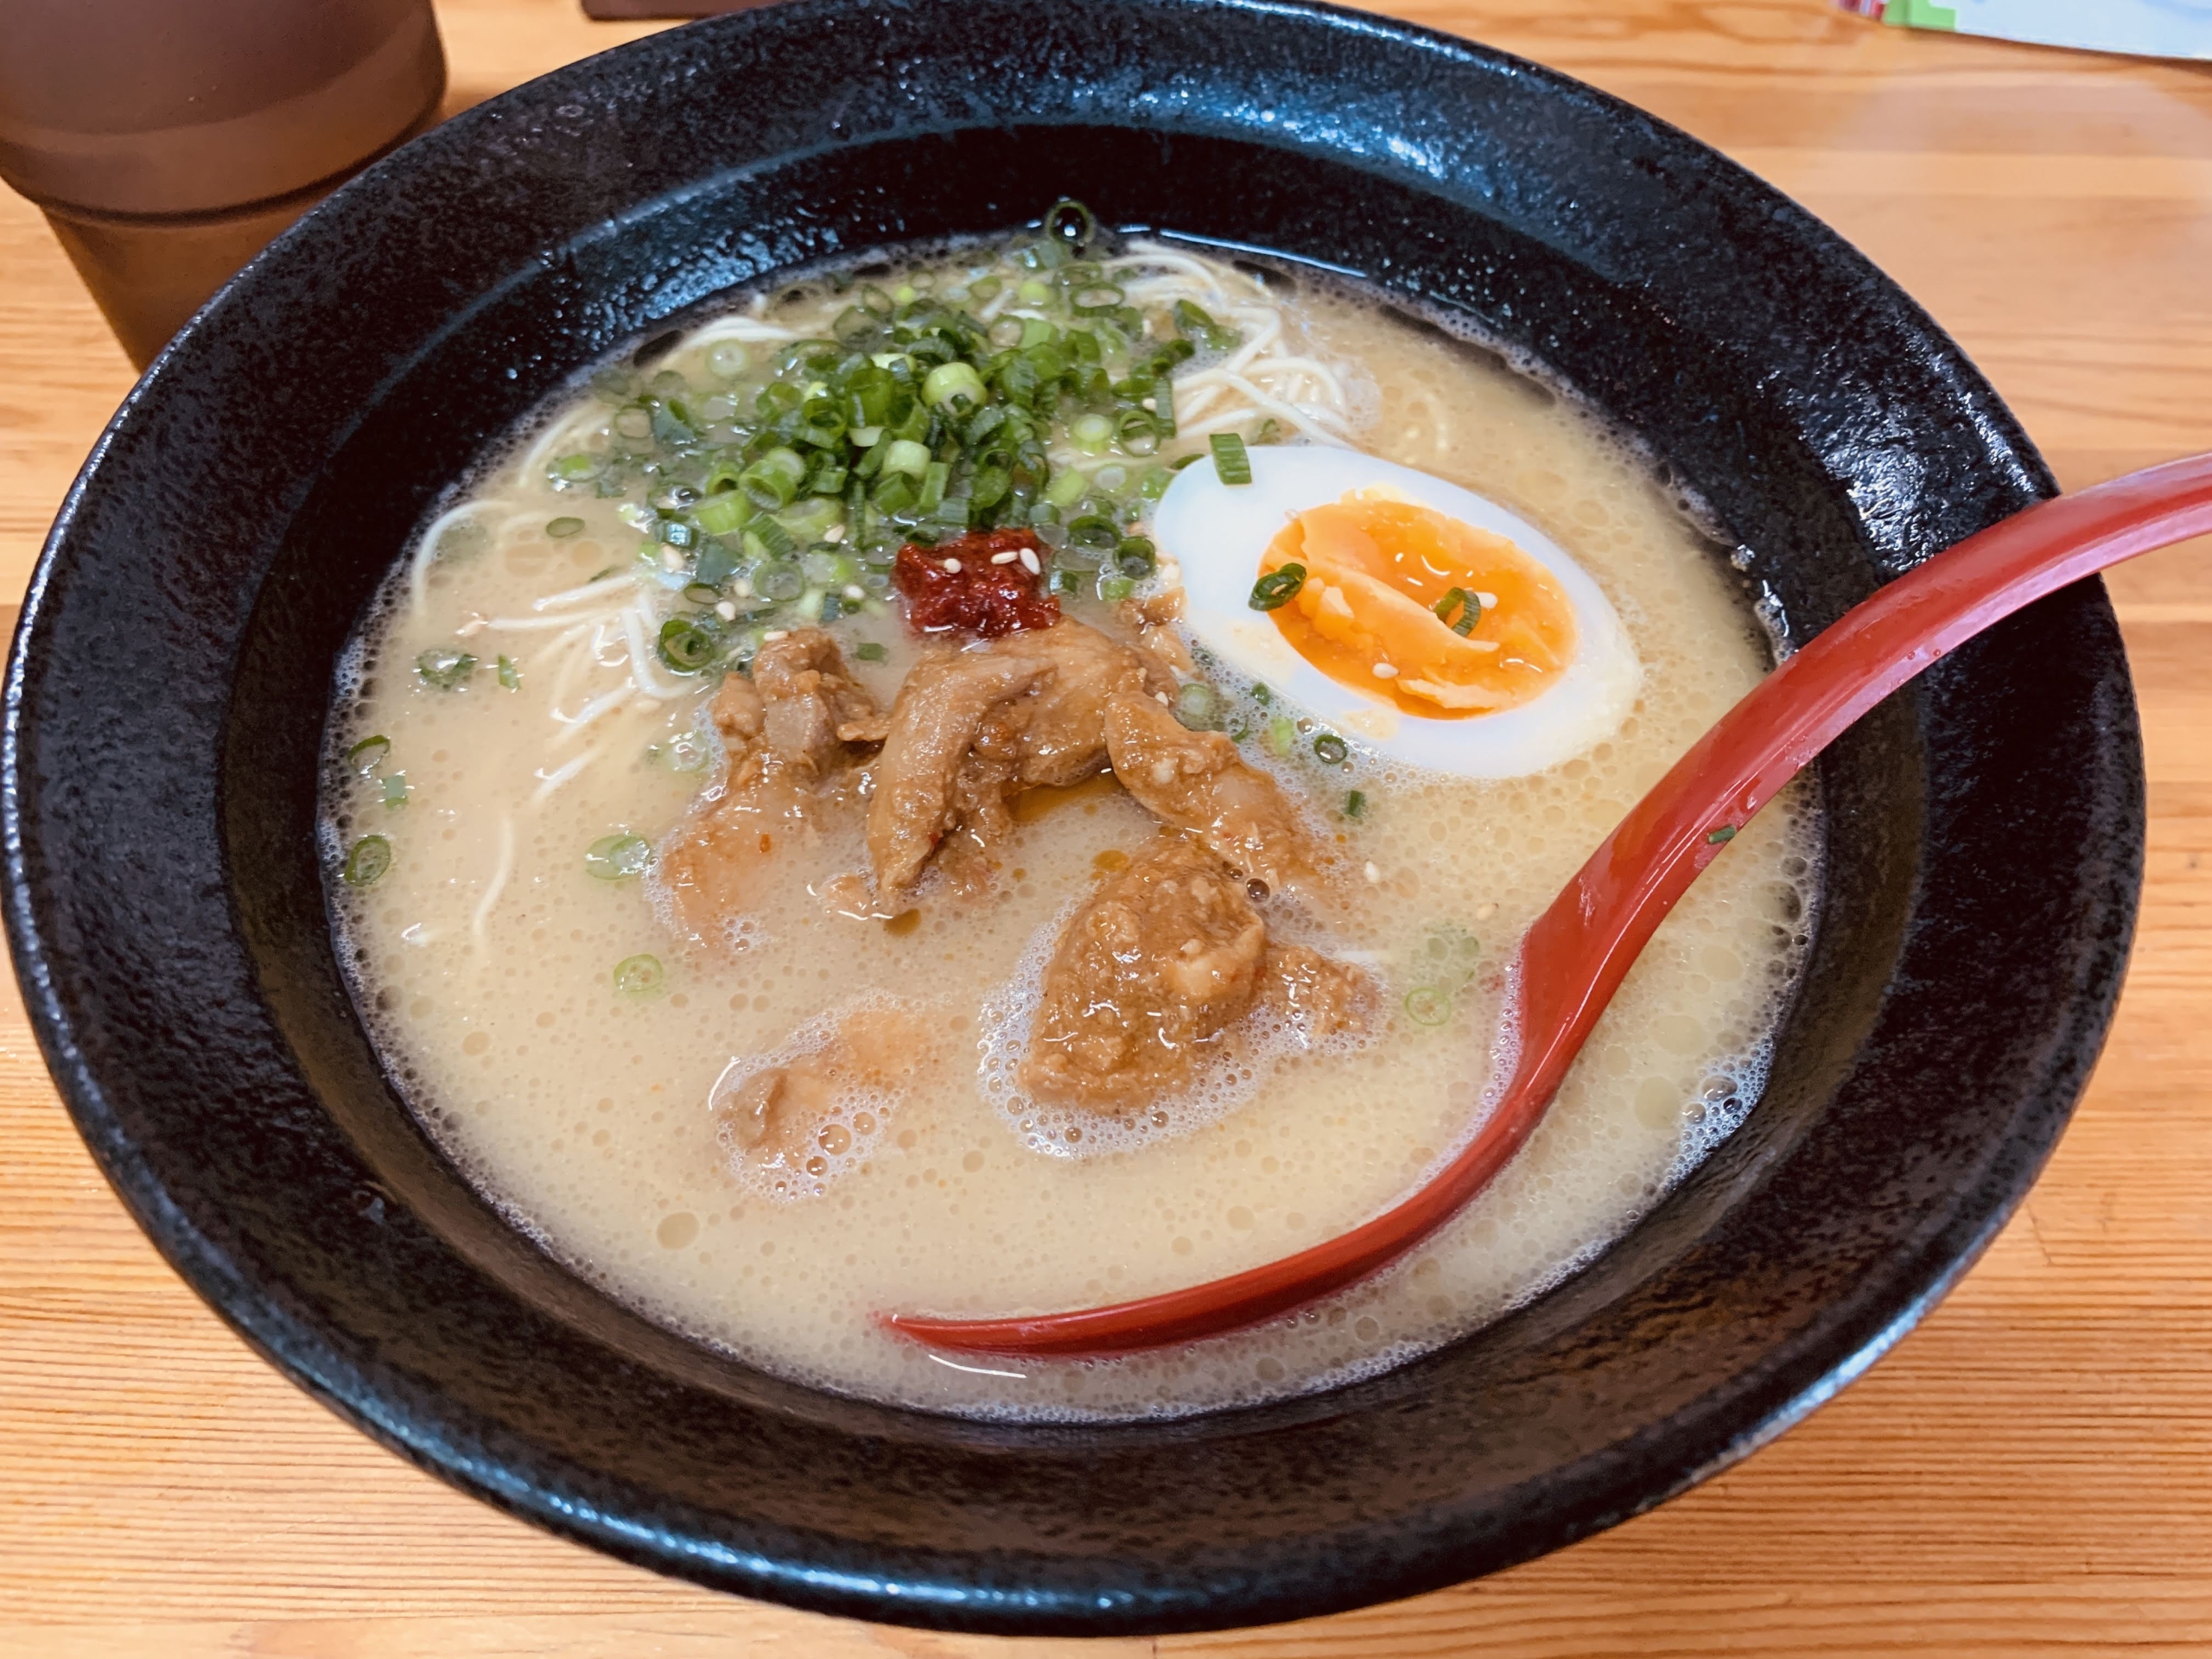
{"points": [[772, 987]]}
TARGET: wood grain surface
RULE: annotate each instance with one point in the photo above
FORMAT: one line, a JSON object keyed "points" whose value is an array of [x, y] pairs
{"points": [[2028, 1472]]}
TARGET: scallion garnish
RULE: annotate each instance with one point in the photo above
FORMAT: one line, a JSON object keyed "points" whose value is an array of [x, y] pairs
{"points": [[366, 863], [1727, 832], [613, 857], [1428, 1005], [396, 789], [869, 652], [445, 667], [1356, 804], [1469, 607], [1071, 225], [1278, 587], [1332, 749], [366, 756], [510, 675], [1197, 707], [635, 976], [684, 645], [1230, 464]]}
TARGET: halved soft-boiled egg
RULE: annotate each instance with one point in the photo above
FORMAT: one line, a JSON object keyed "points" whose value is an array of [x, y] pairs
{"points": [[1403, 611]]}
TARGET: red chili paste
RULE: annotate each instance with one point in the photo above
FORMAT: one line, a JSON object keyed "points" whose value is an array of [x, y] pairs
{"points": [[962, 583]]}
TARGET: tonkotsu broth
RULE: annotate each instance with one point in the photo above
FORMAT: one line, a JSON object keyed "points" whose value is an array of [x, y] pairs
{"points": [[485, 957]]}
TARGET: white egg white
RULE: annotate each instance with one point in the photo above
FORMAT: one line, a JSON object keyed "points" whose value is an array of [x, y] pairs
{"points": [[1217, 532]]}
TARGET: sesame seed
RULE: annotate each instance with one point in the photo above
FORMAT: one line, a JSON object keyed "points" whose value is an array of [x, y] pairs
{"points": [[855, 592], [834, 533], [1483, 912], [1383, 671], [1004, 558], [741, 587], [727, 610], [671, 558], [1029, 563], [1488, 601], [1374, 876], [952, 567], [774, 634], [1160, 696]]}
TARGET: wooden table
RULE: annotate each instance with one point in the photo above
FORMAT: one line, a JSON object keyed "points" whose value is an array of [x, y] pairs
{"points": [[2028, 1472]]}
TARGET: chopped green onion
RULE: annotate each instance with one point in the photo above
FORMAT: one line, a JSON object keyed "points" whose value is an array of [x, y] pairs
{"points": [[562, 529], [366, 756], [1230, 464], [1191, 322], [1281, 736], [396, 789], [366, 863], [683, 646], [1261, 696], [1278, 587], [510, 675], [445, 667], [1469, 607], [719, 515], [613, 857], [1067, 488], [1428, 1005], [1115, 589], [727, 359], [575, 469], [1197, 707], [773, 481], [636, 975], [907, 458], [934, 477], [1034, 292], [1332, 749], [1071, 224], [869, 652], [1356, 804], [1091, 433], [950, 380], [685, 752], [1727, 832], [1132, 557], [767, 539]]}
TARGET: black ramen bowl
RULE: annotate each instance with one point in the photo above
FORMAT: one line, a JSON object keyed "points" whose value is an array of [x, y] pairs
{"points": [[168, 692]]}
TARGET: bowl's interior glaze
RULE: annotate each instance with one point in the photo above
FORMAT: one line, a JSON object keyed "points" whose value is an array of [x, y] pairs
{"points": [[167, 697]]}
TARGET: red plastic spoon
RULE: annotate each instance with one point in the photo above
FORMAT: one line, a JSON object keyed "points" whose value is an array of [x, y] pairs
{"points": [[1577, 954]]}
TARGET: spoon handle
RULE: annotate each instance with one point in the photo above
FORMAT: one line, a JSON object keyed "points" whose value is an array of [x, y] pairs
{"points": [[1580, 949]]}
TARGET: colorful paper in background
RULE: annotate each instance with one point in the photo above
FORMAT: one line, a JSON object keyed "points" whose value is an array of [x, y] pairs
{"points": [[2157, 29]]}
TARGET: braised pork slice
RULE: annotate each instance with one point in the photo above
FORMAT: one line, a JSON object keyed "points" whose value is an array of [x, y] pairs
{"points": [[814, 1105], [974, 726], [793, 731], [802, 707], [1196, 781], [1316, 995], [1155, 967]]}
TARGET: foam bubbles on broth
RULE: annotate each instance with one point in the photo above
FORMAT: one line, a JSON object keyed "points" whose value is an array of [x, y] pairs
{"points": [[588, 1113]]}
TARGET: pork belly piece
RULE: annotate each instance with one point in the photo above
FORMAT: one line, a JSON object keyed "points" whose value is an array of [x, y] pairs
{"points": [[1156, 966], [1197, 781], [973, 727], [794, 732]]}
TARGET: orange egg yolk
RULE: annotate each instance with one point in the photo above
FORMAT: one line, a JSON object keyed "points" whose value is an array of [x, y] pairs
{"points": [[1376, 570]]}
